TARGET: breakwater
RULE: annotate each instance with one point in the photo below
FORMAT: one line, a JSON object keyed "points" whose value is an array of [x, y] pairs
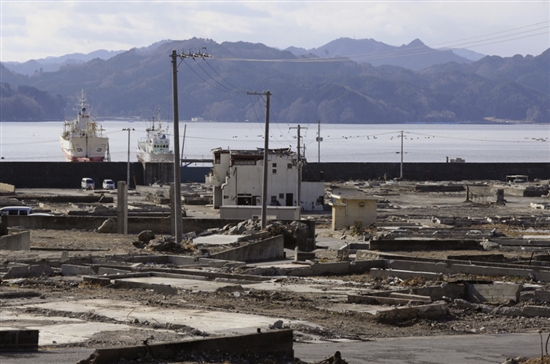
{"points": [[68, 175]]}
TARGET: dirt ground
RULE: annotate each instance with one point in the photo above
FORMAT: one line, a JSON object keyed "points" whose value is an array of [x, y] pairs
{"points": [[394, 205]]}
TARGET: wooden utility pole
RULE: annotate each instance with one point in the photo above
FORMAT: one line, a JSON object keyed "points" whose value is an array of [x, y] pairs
{"points": [[401, 166], [319, 140], [299, 182], [128, 165], [176, 212], [267, 94]]}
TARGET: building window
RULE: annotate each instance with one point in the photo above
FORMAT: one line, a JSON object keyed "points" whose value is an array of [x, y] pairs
{"points": [[289, 166], [274, 171], [274, 165], [245, 162], [281, 195]]}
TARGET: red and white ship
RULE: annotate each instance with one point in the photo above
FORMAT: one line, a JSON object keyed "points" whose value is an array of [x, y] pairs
{"points": [[82, 139]]}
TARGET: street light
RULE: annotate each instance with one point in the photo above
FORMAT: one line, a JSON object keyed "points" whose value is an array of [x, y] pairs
{"points": [[128, 169]]}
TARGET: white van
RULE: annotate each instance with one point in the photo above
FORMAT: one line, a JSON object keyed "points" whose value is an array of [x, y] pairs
{"points": [[16, 210], [87, 183]]}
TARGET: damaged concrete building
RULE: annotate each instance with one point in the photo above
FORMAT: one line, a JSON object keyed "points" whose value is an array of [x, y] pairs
{"points": [[237, 177]]}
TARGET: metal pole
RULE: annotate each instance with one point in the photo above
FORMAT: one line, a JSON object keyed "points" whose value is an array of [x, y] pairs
{"points": [[128, 167], [177, 176], [299, 184], [401, 166], [319, 140], [266, 152]]}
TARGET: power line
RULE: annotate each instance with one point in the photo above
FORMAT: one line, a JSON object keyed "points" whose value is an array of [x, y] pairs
{"points": [[387, 54]]}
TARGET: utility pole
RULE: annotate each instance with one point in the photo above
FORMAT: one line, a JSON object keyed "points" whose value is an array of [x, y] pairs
{"points": [[267, 94], [319, 140], [299, 184], [176, 213], [401, 166], [128, 168]]}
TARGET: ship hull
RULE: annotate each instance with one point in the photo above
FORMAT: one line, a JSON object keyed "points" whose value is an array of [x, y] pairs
{"points": [[84, 149], [145, 157]]}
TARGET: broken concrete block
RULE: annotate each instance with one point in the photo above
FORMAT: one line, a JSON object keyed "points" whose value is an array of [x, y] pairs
{"points": [[536, 311], [411, 297], [29, 271], [423, 311], [17, 241], [146, 236], [493, 292], [368, 299], [109, 226], [489, 245], [18, 340], [76, 270], [403, 274]]}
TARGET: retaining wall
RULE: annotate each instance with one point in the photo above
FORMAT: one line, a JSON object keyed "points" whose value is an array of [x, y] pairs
{"points": [[424, 171], [158, 225], [68, 175]]}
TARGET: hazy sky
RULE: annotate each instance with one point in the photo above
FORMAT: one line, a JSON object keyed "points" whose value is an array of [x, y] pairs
{"points": [[37, 29]]}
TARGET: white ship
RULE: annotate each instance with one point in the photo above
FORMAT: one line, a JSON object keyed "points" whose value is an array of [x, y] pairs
{"points": [[155, 146], [82, 139]]}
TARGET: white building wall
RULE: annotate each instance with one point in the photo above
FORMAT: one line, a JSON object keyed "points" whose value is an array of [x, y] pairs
{"points": [[312, 196], [241, 183]]}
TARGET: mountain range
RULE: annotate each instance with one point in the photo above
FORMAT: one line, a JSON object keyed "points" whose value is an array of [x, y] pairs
{"points": [[345, 81]]}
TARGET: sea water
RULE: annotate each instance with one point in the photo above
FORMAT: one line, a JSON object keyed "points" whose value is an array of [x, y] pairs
{"points": [[39, 141]]}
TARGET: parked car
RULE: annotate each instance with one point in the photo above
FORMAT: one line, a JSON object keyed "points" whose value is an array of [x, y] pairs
{"points": [[87, 184], [108, 184], [16, 210]]}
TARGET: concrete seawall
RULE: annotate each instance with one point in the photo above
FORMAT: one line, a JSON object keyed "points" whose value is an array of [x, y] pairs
{"points": [[425, 171], [68, 175]]}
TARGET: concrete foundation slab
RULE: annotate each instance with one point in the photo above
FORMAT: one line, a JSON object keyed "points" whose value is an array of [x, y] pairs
{"points": [[206, 321], [56, 330]]}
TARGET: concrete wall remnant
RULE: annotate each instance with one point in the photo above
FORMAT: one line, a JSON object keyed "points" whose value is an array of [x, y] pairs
{"points": [[249, 212], [496, 293], [278, 341], [267, 249], [18, 340], [16, 241]]}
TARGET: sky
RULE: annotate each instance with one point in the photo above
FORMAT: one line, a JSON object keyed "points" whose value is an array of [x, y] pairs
{"points": [[37, 29]]}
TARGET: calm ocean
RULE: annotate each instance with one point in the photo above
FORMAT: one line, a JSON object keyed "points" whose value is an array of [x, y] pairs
{"points": [[39, 141]]}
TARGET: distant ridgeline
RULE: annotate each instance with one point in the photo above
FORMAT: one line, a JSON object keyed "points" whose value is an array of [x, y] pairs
{"points": [[26, 103], [425, 88]]}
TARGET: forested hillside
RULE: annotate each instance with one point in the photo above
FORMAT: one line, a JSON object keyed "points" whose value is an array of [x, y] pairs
{"points": [[305, 88]]}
